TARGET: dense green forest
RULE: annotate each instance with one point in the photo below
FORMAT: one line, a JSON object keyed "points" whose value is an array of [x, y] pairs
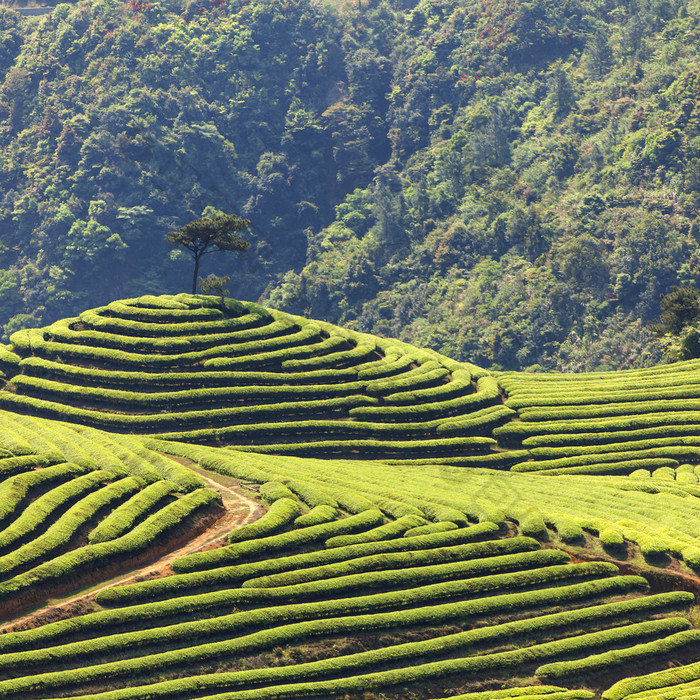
{"points": [[509, 182]]}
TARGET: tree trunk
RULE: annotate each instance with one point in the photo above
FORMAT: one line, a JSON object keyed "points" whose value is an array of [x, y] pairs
{"points": [[196, 271]]}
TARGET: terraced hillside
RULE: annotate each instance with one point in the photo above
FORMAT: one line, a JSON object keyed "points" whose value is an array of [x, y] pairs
{"points": [[459, 584], [642, 423], [660, 516], [185, 369], [76, 507], [430, 529], [345, 587]]}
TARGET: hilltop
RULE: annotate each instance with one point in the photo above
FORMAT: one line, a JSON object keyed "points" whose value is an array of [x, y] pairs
{"points": [[428, 527]]}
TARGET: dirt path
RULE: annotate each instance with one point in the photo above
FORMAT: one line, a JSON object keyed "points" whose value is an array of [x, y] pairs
{"points": [[239, 510]]}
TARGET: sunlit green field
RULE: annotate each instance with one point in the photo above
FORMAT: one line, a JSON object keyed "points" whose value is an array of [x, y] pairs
{"points": [[428, 529]]}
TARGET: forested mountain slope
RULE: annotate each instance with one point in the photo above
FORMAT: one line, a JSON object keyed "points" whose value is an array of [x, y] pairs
{"points": [[514, 183]]}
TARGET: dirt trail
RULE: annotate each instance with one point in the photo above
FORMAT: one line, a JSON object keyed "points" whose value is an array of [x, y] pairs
{"points": [[239, 510]]}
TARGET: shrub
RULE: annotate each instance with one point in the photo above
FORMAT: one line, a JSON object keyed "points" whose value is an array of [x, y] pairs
{"points": [[610, 537], [281, 513], [539, 691], [312, 494], [393, 364], [123, 309], [9, 466], [276, 357], [666, 473], [533, 525], [487, 392], [16, 488], [629, 610], [431, 562], [395, 528], [424, 375], [691, 556], [274, 543], [443, 526], [661, 680], [398, 655], [460, 385], [62, 530], [137, 540], [316, 516], [568, 529], [340, 357], [608, 661], [685, 474], [95, 319], [122, 519], [653, 546], [272, 491], [230, 575], [44, 506]]}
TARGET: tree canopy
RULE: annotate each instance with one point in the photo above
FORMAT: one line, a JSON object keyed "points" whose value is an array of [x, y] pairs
{"points": [[512, 183], [216, 284], [679, 308], [217, 233]]}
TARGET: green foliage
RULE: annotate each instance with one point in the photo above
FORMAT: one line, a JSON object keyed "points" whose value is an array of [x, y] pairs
{"points": [[460, 553], [15, 489], [317, 515], [303, 674], [611, 537], [76, 562], [210, 234], [123, 518], [395, 528], [41, 509], [538, 599], [289, 578], [217, 367], [444, 526], [232, 575], [679, 308], [403, 167], [64, 528], [272, 491], [311, 494], [539, 691], [281, 513], [213, 283], [273, 543], [597, 663], [661, 680]]}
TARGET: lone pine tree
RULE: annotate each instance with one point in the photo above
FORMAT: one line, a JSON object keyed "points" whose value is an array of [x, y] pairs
{"points": [[209, 234]]}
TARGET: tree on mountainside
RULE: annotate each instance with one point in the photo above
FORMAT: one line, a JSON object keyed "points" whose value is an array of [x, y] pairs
{"points": [[677, 329], [679, 308], [210, 234]]}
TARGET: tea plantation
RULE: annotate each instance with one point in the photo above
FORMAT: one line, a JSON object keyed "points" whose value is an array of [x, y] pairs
{"points": [[430, 530]]}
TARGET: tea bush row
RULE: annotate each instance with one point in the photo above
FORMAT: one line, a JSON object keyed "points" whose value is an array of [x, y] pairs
{"points": [[64, 528], [510, 662], [275, 543], [280, 514], [15, 489], [232, 575], [139, 539], [266, 336], [123, 518], [43, 508], [146, 615]]}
